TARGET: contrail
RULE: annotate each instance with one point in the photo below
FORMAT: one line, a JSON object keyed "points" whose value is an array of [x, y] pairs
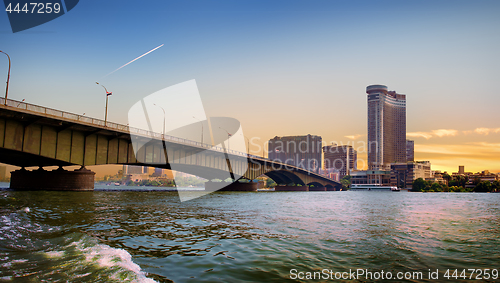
{"points": [[135, 59]]}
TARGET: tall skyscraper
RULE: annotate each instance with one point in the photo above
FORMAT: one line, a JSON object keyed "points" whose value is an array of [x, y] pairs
{"points": [[342, 158], [301, 151], [386, 127], [410, 150]]}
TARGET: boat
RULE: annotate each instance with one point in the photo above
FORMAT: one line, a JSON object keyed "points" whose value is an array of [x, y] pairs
{"points": [[373, 187]]}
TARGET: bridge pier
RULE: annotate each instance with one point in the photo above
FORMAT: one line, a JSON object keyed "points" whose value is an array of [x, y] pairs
{"points": [[291, 188], [236, 186], [317, 189], [55, 180]]}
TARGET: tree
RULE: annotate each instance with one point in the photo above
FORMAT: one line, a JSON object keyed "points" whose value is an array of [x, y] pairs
{"points": [[346, 182], [419, 185], [436, 187], [270, 183], [446, 177], [483, 187], [495, 186]]}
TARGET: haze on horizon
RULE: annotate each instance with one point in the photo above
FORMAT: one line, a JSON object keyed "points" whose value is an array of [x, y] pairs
{"points": [[281, 68]]}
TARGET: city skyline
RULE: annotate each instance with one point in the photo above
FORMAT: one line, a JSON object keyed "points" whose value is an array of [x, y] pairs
{"points": [[306, 65]]}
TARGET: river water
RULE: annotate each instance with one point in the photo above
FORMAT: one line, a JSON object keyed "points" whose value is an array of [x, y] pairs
{"points": [[150, 236]]}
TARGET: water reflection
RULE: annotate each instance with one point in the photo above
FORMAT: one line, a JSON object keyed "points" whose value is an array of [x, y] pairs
{"points": [[256, 236]]}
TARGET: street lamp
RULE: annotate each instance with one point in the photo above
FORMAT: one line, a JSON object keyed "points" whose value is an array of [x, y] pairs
{"points": [[8, 79], [106, 111], [228, 135], [163, 119], [248, 146], [201, 129]]}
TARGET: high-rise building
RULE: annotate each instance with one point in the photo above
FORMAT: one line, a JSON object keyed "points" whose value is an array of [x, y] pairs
{"points": [[301, 151], [386, 127], [461, 170], [410, 150], [342, 158]]}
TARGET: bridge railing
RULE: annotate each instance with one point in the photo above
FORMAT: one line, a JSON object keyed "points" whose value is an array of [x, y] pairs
{"points": [[98, 122]]}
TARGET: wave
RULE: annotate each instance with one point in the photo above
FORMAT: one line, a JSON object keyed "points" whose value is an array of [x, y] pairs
{"points": [[38, 252]]}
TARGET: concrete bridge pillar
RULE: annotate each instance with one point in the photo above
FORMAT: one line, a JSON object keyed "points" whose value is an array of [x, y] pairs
{"points": [[55, 180]]}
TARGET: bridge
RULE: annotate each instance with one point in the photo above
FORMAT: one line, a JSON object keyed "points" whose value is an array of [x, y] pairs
{"points": [[32, 135]]}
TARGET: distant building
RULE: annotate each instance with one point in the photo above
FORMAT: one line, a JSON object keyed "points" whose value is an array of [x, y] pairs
{"points": [[410, 150], [342, 158], [380, 177], [136, 177], [461, 170], [436, 177], [134, 169], [403, 174], [331, 173], [480, 177], [300, 151], [158, 172], [3, 172], [386, 127], [359, 177]]}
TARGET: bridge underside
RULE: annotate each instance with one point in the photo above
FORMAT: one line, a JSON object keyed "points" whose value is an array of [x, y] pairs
{"points": [[24, 159]]}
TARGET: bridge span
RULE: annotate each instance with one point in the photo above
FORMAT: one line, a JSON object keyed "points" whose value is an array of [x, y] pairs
{"points": [[32, 135]]}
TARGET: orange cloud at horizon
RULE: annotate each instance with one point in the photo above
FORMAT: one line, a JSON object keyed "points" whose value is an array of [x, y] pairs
{"points": [[475, 156]]}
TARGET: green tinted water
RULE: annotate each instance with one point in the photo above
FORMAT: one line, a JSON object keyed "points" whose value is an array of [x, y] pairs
{"points": [[106, 236]]}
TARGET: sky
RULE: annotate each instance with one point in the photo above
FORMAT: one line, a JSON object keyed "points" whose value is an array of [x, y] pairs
{"points": [[279, 67]]}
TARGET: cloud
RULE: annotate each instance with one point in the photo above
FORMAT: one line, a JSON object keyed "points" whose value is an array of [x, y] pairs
{"points": [[444, 132], [419, 135], [486, 131], [476, 149], [353, 137], [487, 144], [427, 135], [450, 132]]}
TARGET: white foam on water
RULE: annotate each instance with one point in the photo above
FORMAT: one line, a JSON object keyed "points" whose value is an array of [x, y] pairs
{"points": [[107, 256], [19, 260], [16, 233]]}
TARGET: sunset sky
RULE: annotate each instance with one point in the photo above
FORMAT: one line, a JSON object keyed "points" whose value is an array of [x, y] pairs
{"points": [[280, 67]]}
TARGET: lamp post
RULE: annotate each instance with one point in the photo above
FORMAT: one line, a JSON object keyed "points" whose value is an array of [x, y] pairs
{"points": [[163, 119], [248, 146], [8, 79], [228, 135], [106, 111], [201, 129]]}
